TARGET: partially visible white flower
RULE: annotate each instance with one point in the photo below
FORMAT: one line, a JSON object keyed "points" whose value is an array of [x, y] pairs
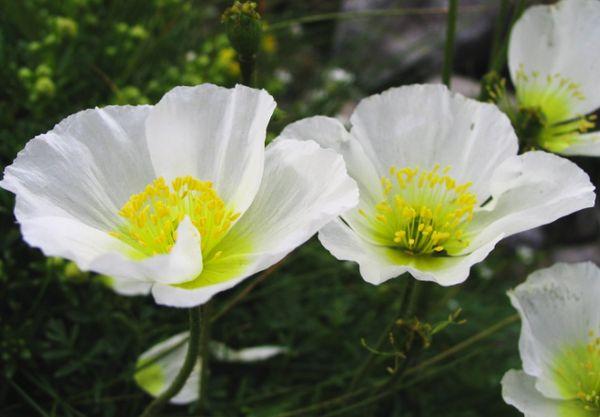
{"points": [[180, 198], [559, 344], [159, 365], [555, 67], [440, 183]]}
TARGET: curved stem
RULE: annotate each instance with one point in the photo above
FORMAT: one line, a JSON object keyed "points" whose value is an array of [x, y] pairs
{"points": [[188, 365]]}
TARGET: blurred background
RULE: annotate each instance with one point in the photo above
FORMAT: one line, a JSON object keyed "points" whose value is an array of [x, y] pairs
{"points": [[68, 344]]}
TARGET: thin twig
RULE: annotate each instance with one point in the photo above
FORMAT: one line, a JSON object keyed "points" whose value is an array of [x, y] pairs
{"points": [[242, 294]]}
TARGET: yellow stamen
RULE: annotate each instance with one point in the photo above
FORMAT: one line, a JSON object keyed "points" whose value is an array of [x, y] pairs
{"points": [[151, 217], [423, 211]]}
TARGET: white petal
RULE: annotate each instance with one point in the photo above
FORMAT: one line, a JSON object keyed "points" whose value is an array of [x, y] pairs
{"points": [[169, 295], [528, 191], [85, 168], [304, 187], [183, 263], [422, 125], [587, 145], [379, 264], [518, 390], [559, 307], [563, 38], [214, 134], [158, 367], [224, 353], [331, 134], [70, 239]]}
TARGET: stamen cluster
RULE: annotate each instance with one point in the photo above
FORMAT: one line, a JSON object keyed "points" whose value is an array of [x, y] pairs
{"points": [[555, 96], [153, 216], [423, 212], [579, 370]]}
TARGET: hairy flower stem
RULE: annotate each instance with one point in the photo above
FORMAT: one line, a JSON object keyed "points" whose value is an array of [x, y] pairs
{"points": [[204, 354], [188, 365], [449, 49]]}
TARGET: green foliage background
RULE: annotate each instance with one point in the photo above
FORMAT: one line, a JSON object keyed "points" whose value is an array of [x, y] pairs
{"points": [[68, 344]]}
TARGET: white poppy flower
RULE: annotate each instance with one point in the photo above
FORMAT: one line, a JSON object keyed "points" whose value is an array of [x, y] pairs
{"points": [[180, 198], [559, 344], [555, 67], [440, 183], [159, 365]]}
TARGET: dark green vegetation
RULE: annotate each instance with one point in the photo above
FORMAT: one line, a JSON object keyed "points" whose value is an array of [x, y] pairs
{"points": [[68, 344]]}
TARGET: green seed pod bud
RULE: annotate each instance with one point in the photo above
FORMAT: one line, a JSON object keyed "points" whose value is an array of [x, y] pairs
{"points": [[493, 87], [243, 26]]}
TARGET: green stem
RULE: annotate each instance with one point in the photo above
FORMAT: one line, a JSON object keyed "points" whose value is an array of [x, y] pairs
{"points": [[188, 365], [343, 400], [498, 30], [204, 355], [247, 68], [366, 365], [450, 36], [459, 347], [500, 59]]}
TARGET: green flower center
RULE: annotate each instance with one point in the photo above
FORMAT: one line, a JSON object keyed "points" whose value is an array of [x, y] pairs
{"points": [[151, 218], [554, 98], [423, 212], [577, 374]]}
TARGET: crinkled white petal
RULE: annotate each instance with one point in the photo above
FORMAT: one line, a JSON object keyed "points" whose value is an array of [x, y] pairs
{"points": [[83, 169], [518, 390], [304, 187], [528, 191], [214, 134], [421, 125], [158, 366], [587, 144], [379, 264], [183, 263], [561, 39], [558, 307]]}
